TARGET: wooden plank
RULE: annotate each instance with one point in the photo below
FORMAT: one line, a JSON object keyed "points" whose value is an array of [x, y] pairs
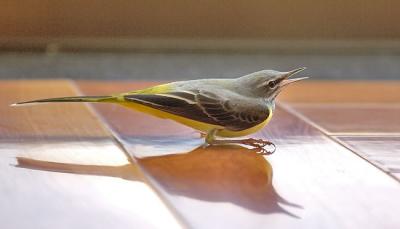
{"points": [[362, 115], [382, 151], [42, 151], [316, 182], [353, 119], [44, 121], [342, 92]]}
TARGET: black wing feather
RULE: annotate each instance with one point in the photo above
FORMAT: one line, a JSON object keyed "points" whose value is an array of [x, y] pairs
{"points": [[172, 105]]}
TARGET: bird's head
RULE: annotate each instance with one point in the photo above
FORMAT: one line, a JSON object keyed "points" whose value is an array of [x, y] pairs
{"points": [[268, 83]]}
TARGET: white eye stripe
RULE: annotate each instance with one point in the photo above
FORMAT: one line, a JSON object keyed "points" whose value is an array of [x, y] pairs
{"points": [[263, 84]]}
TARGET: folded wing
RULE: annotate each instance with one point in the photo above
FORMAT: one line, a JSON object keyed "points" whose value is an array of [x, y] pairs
{"points": [[231, 112]]}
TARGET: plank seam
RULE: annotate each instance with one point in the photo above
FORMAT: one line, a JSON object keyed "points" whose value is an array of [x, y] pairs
{"points": [[297, 114], [119, 142]]}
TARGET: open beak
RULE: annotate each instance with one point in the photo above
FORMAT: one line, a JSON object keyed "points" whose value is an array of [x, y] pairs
{"points": [[286, 81]]}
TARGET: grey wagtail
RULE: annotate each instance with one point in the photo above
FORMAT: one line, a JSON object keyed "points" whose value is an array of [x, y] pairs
{"points": [[216, 107]]}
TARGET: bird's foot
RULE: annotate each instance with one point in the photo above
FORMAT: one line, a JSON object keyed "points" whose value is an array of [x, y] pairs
{"points": [[259, 144], [256, 142], [265, 152]]}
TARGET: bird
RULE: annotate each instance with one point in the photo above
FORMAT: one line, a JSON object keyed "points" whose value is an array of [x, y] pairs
{"points": [[221, 109]]}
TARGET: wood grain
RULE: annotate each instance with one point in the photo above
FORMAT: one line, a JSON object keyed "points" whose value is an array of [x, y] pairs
{"points": [[61, 169], [316, 182], [44, 121], [354, 119], [382, 151]]}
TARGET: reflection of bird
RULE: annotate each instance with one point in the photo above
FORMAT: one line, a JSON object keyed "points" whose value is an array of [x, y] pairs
{"points": [[216, 107], [219, 174], [127, 171], [216, 174]]}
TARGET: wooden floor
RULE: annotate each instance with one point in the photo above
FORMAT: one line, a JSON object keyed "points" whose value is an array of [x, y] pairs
{"points": [[337, 163]]}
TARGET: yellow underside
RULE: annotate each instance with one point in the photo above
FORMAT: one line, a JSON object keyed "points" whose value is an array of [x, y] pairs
{"points": [[200, 126]]}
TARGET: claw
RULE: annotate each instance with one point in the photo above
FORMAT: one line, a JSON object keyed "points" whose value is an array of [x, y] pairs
{"points": [[259, 144], [265, 152]]}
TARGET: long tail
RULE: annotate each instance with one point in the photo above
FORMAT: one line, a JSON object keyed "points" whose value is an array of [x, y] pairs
{"points": [[92, 99]]}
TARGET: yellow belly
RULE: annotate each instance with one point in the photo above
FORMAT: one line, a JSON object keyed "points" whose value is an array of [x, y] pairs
{"points": [[228, 133], [200, 126]]}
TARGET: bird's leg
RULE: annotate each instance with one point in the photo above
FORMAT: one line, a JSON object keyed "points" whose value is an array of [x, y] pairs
{"points": [[256, 143], [210, 137]]}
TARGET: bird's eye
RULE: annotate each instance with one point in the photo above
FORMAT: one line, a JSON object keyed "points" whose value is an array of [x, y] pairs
{"points": [[271, 84]]}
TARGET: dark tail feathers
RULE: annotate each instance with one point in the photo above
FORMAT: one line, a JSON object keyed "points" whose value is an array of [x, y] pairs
{"points": [[92, 99]]}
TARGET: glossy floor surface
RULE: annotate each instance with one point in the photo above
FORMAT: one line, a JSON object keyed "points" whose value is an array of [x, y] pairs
{"points": [[337, 163]]}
